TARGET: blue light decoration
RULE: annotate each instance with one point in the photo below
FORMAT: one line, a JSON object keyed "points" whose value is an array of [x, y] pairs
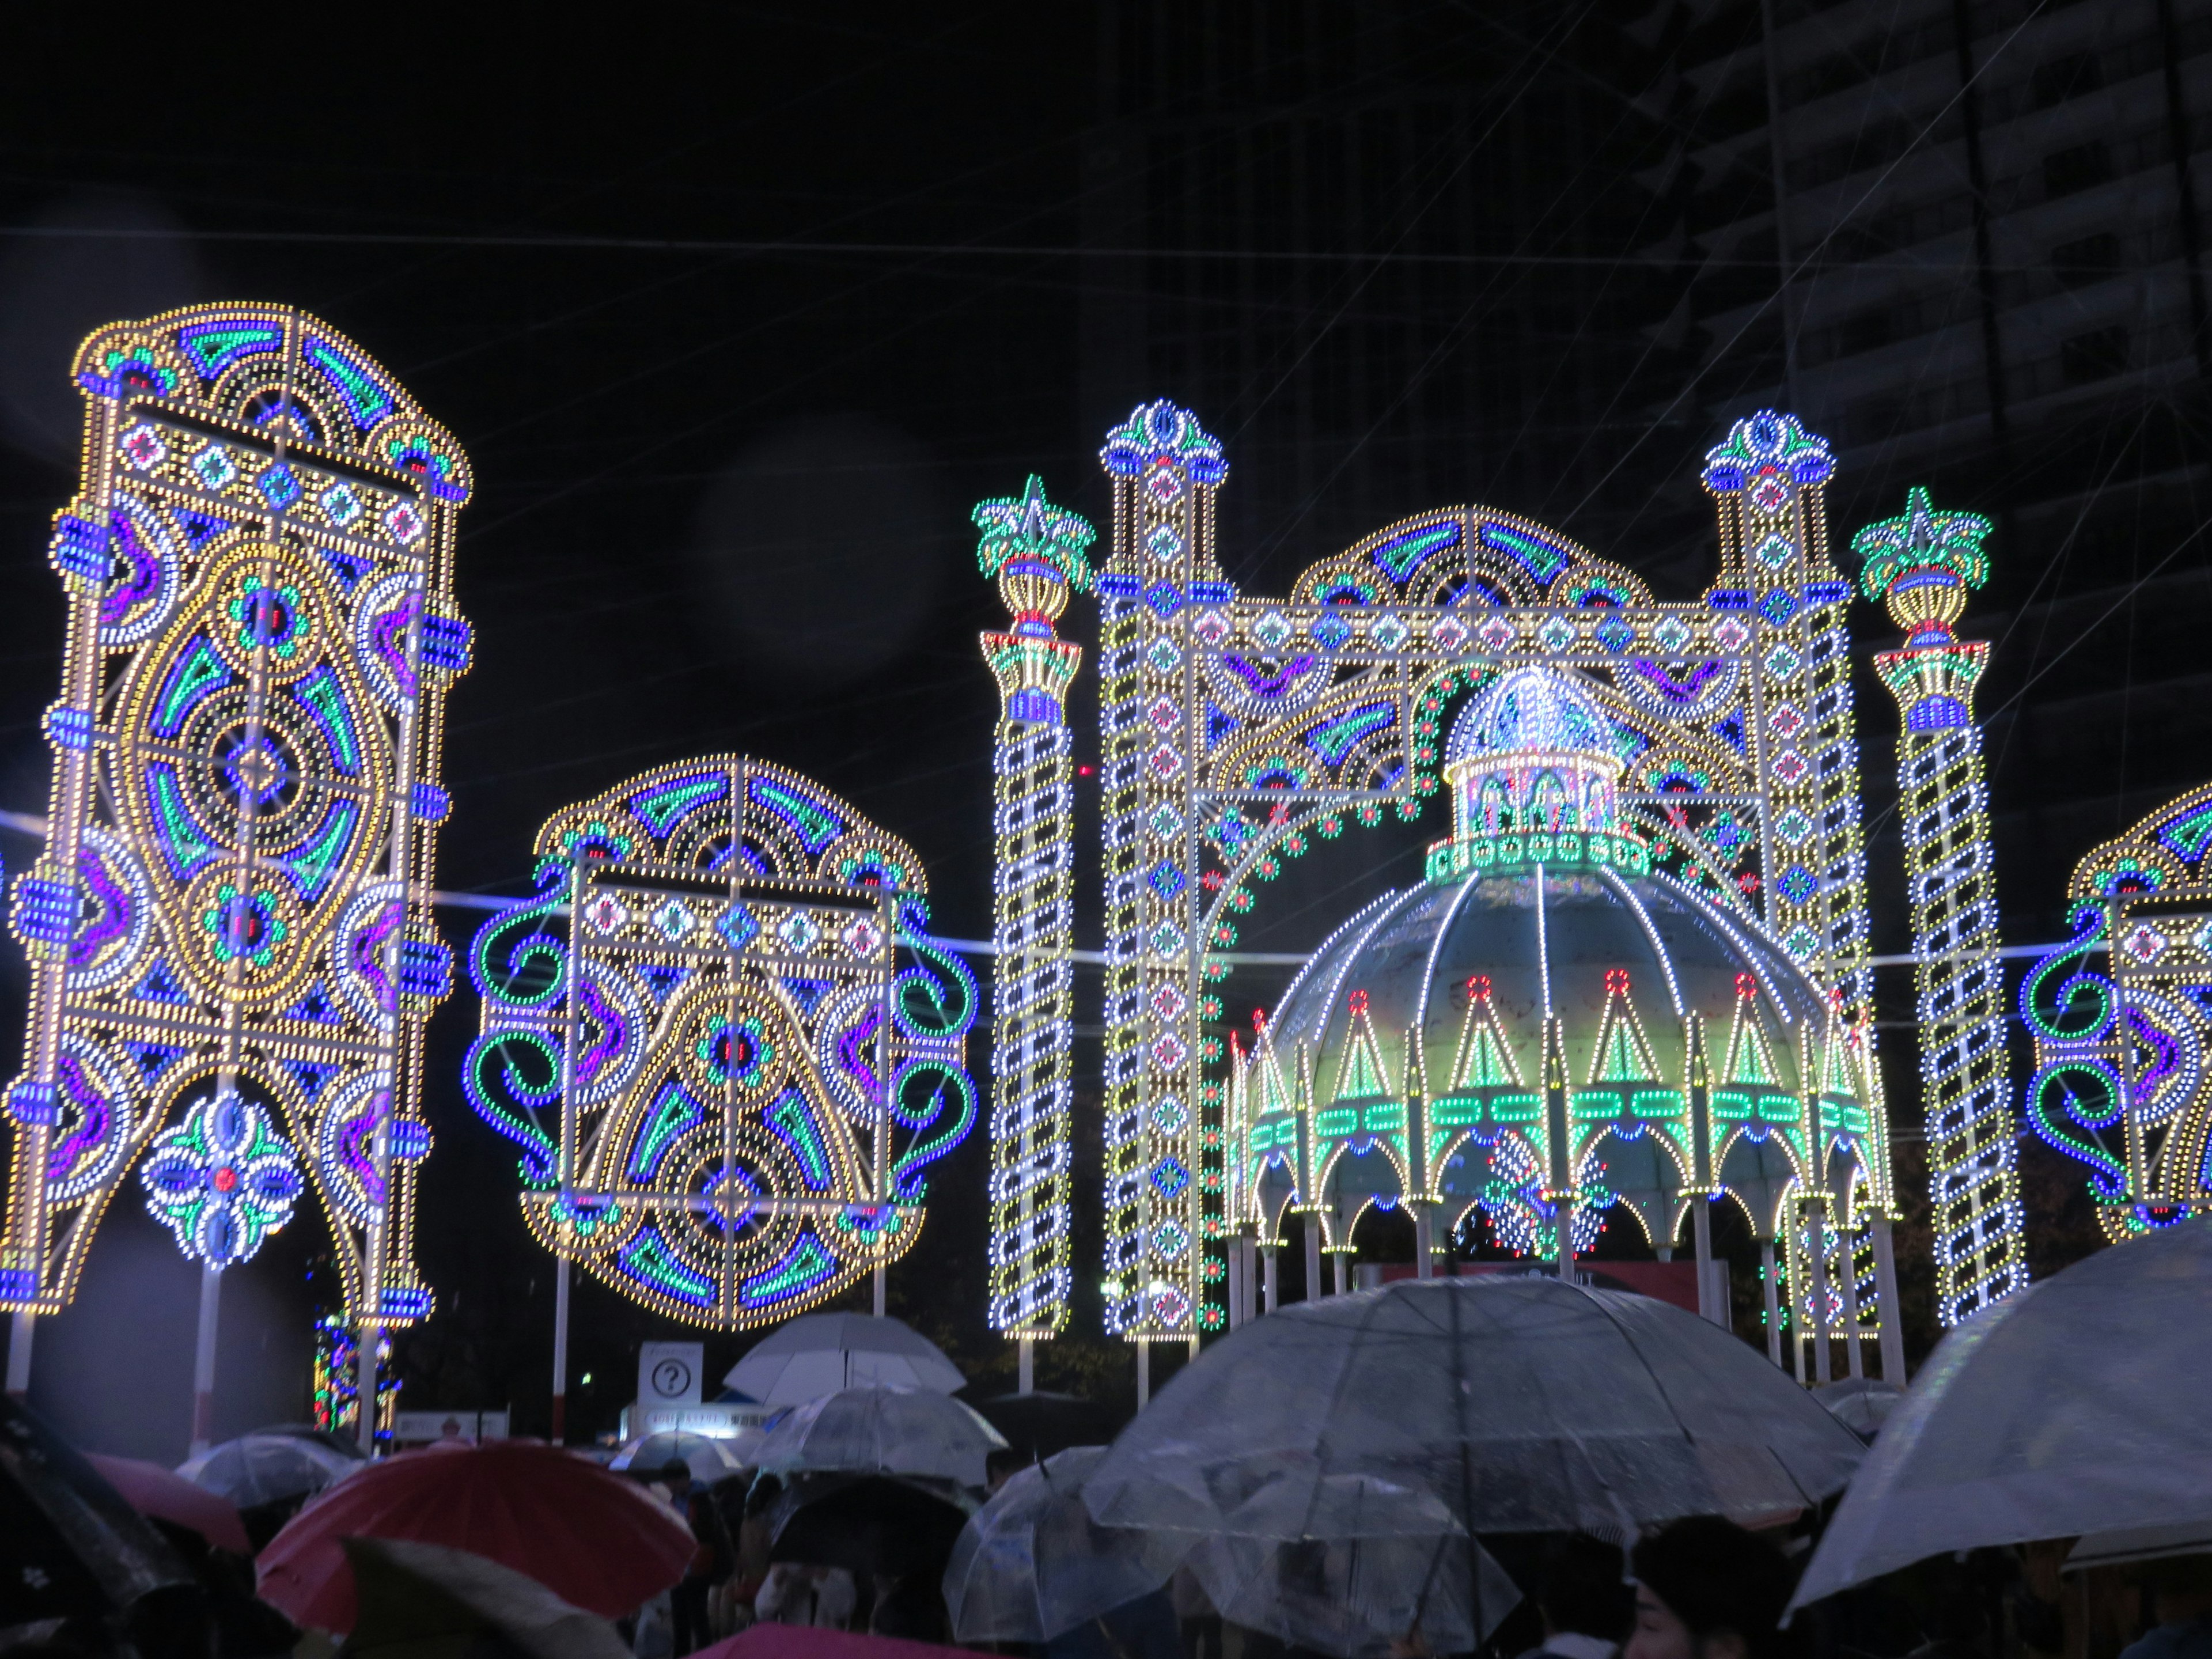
{"points": [[1922, 566], [1036, 550], [222, 1181], [243, 817], [2120, 1082], [723, 1040], [1237, 731]]}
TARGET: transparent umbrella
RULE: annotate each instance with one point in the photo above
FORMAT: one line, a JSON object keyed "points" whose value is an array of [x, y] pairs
{"points": [[1031, 1564], [1349, 1564], [816, 1354], [2065, 1410], [268, 1468], [876, 1431], [1523, 1405], [709, 1458]]}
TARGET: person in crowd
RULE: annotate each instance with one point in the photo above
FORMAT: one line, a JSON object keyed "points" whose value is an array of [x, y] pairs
{"points": [[1584, 1599], [909, 1605], [2179, 1592], [1002, 1465], [797, 1593], [1706, 1588], [1142, 1629], [712, 1561], [1194, 1613]]}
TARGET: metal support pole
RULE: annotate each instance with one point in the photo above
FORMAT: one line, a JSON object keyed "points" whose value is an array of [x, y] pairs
{"points": [[1773, 1302], [1144, 1375], [1313, 1256], [1701, 1234], [880, 1287], [364, 1383], [1885, 1289], [19, 1353], [1274, 1285], [1847, 1264], [1566, 1241], [560, 1434], [204, 1358], [1424, 1260], [1025, 1365], [1816, 1273], [1343, 1263], [1235, 1283]]}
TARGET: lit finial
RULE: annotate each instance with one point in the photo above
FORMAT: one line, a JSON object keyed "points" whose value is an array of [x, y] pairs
{"points": [[1920, 565], [1035, 550]]}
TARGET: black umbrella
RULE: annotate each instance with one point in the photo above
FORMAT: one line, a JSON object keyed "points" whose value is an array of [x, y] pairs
{"points": [[76, 1550], [868, 1524]]}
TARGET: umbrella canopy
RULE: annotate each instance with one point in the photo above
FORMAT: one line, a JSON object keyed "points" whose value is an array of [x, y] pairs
{"points": [[427, 1601], [879, 1430], [816, 1354], [1525, 1404], [707, 1456], [816, 1642], [1861, 1404], [866, 1524], [75, 1547], [2113, 1549], [344, 1444], [2062, 1411], [1359, 1597], [152, 1490], [1031, 1564], [555, 1518], [263, 1468]]}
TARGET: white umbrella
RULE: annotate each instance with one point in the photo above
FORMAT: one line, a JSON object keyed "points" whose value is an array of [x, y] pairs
{"points": [[816, 1354], [2065, 1410], [1524, 1405], [709, 1458], [1352, 1565], [879, 1430], [2113, 1549], [1861, 1404], [266, 1468], [1032, 1564]]}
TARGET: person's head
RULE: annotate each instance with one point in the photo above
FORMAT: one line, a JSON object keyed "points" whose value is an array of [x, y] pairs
{"points": [[1706, 1588], [1580, 1589], [1002, 1465], [676, 1475], [2180, 1588]]}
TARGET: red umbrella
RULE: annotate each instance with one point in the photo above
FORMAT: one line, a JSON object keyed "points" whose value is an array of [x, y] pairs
{"points": [[152, 1490], [812, 1642], [594, 1539]]}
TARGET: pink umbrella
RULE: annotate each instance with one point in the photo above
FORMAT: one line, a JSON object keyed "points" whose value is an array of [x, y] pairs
{"points": [[152, 1490], [594, 1539]]}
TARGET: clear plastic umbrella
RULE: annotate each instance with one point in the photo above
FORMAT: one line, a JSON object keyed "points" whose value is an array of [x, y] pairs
{"points": [[1524, 1405], [2063, 1411], [816, 1354], [877, 1430], [267, 1468], [1031, 1564], [1350, 1564], [709, 1458]]}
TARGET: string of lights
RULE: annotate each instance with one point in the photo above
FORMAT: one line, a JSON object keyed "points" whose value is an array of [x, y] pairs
{"points": [[1921, 565], [1035, 551], [226, 924]]}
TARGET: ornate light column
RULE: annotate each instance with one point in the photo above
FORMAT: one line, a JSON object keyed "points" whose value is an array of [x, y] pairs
{"points": [[1921, 566], [1037, 552]]}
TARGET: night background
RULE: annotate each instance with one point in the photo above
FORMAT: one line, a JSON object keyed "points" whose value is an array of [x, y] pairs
{"points": [[737, 310]]}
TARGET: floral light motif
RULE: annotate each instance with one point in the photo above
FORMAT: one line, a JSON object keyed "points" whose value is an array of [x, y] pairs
{"points": [[222, 1181]]}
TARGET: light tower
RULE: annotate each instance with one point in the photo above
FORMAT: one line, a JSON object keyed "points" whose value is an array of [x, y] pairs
{"points": [[1921, 566], [1037, 552]]}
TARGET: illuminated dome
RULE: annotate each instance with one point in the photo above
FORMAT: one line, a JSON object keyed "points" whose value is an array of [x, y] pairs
{"points": [[1545, 1002], [1529, 708]]}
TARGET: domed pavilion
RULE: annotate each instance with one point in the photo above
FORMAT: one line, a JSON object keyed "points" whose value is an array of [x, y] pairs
{"points": [[1551, 1031]]}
